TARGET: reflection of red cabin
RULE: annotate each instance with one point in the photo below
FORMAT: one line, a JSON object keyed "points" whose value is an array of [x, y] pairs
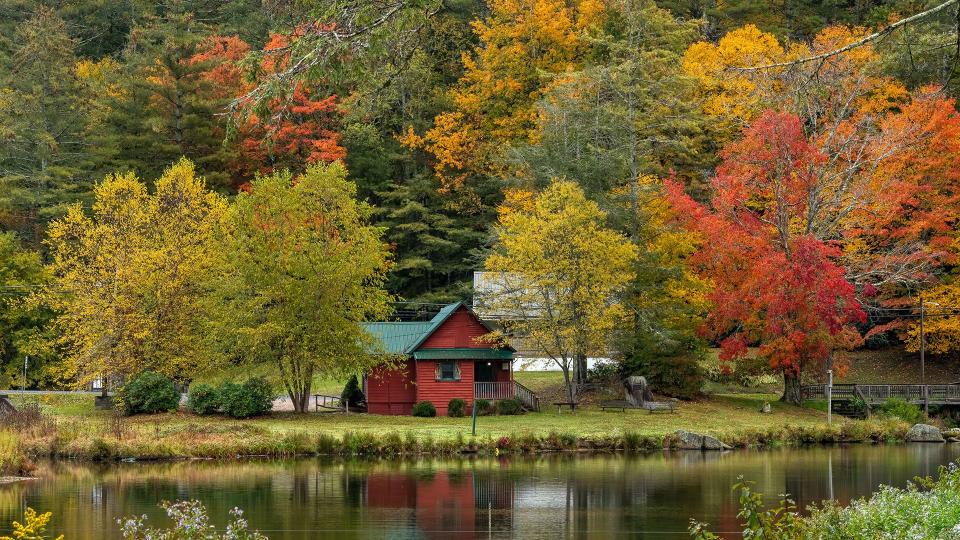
{"points": [[444, 358], [443, 503]]}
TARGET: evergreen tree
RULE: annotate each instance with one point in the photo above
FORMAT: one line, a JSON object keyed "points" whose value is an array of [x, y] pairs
{"points": [[43, 119]]}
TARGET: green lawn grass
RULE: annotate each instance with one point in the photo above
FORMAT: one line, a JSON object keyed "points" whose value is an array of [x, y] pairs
{"points": [[710, 415]]}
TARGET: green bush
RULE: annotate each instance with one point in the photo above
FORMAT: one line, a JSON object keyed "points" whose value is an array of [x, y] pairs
{"points": [[352, 395], [898, 408], [424, 409], [149, 393], [253, 397], [456, 408], [509, 407], [203, 399], [484, 407]]}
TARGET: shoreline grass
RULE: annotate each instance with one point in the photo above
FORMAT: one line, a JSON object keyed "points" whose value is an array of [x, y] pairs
{"points": [[70, 429]]}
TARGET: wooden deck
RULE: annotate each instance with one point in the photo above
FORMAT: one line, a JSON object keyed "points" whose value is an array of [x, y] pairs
{"points": [[874, 394], [494, 391]]}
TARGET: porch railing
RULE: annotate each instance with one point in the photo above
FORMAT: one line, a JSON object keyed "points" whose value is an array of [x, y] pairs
{"points": [[506, 390]]}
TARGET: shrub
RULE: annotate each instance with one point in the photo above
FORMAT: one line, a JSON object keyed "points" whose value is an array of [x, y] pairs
{"points": [[352, 395], [456, 408], [484, 407], [898, 408], [424, 409], [203, 399], [509, 407], [149, 393], [253, 397]]}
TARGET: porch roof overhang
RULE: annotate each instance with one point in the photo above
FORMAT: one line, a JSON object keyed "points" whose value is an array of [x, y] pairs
{"points": [[463, 354]]}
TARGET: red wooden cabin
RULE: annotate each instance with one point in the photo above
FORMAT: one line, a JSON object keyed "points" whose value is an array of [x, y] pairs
{"points": [[444, 358]]}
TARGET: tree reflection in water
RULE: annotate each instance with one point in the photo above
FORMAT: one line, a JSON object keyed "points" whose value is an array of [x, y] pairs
{"points": [[557, 496]]}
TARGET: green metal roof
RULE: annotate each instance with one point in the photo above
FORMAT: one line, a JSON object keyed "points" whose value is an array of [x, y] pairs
{"points": [[406, 337], [463, 354], [397, 337]]}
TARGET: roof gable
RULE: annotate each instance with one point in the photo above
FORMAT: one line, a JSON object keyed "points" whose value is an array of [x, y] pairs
{"points": [[406, 337]]}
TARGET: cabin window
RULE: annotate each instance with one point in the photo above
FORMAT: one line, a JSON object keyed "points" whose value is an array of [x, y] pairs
{"points": [[448, 371]]}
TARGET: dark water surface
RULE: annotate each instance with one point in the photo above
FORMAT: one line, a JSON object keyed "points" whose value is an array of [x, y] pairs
{"points": [[646, 496]]}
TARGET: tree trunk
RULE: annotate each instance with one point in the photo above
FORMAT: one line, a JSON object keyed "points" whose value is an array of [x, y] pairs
{"points": [[580, 368], [791, 388]]}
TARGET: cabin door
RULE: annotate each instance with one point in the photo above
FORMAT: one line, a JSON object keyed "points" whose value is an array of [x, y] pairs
{"points": [[484, 371]]}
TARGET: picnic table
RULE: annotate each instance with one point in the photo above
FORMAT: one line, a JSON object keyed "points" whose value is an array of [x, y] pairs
{"points": [[572, 405]]}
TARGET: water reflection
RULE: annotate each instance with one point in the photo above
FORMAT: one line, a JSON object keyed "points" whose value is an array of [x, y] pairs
{"points": [[649, 496]]}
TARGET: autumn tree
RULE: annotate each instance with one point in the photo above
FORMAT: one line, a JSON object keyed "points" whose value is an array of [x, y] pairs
{"points": [[776, 283], [881, 183], [294, 132], [125, 279], [300, 269], [523, 46], [561, 273]]}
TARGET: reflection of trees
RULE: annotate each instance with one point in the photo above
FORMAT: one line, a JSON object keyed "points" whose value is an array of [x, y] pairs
{"points": [[560, 496]]}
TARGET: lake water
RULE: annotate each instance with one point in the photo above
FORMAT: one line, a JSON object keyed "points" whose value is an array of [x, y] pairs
{"points": [[558, 496]]}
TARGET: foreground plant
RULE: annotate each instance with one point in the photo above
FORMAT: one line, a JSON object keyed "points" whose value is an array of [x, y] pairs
{"points": [[781, 522], [191, 522], [33, 527], [926, 508]]}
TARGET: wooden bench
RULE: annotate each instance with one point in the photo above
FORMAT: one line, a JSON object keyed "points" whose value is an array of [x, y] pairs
{"points": [[658, 406], [621, 404], [572, 405]]}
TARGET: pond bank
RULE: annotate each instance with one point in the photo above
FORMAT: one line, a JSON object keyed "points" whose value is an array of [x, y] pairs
{"points": [[73, 429], [196, 442]]}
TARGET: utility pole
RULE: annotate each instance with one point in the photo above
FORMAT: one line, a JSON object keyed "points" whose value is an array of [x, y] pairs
{"points": [[923, 364], [829, 396]]}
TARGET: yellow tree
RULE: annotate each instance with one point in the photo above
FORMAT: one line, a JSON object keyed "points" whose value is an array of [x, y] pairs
{"points": [[524, 45], [301, 269], [563, 273], [127, 277]]}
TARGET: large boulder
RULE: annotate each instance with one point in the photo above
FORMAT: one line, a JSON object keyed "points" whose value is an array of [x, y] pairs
{"points": [[687, 440], [712, 443], [924, 433]]}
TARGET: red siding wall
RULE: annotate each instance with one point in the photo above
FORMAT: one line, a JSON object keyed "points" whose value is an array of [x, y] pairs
{"points": [[503, 375], [441, 392], [460, 330], [392, 391]]}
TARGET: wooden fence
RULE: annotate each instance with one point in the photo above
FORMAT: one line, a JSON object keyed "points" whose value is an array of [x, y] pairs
{"points": [[872, 394]]}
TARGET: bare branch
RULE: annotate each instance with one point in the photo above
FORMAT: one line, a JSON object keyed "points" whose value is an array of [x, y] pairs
{"points": [[859, 43]]}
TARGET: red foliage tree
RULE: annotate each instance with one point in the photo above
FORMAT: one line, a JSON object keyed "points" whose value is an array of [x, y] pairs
{"points": [[297, 131], [775, 283]]}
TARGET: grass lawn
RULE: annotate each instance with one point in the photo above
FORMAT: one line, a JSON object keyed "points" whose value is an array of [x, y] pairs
{"points": [[716, 414]]}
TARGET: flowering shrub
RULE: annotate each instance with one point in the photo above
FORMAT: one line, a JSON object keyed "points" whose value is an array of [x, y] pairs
{"points": [[190, 522]]}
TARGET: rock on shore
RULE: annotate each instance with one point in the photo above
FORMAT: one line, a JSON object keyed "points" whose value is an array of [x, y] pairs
{"points": [[687, 440], [924, 433]]}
